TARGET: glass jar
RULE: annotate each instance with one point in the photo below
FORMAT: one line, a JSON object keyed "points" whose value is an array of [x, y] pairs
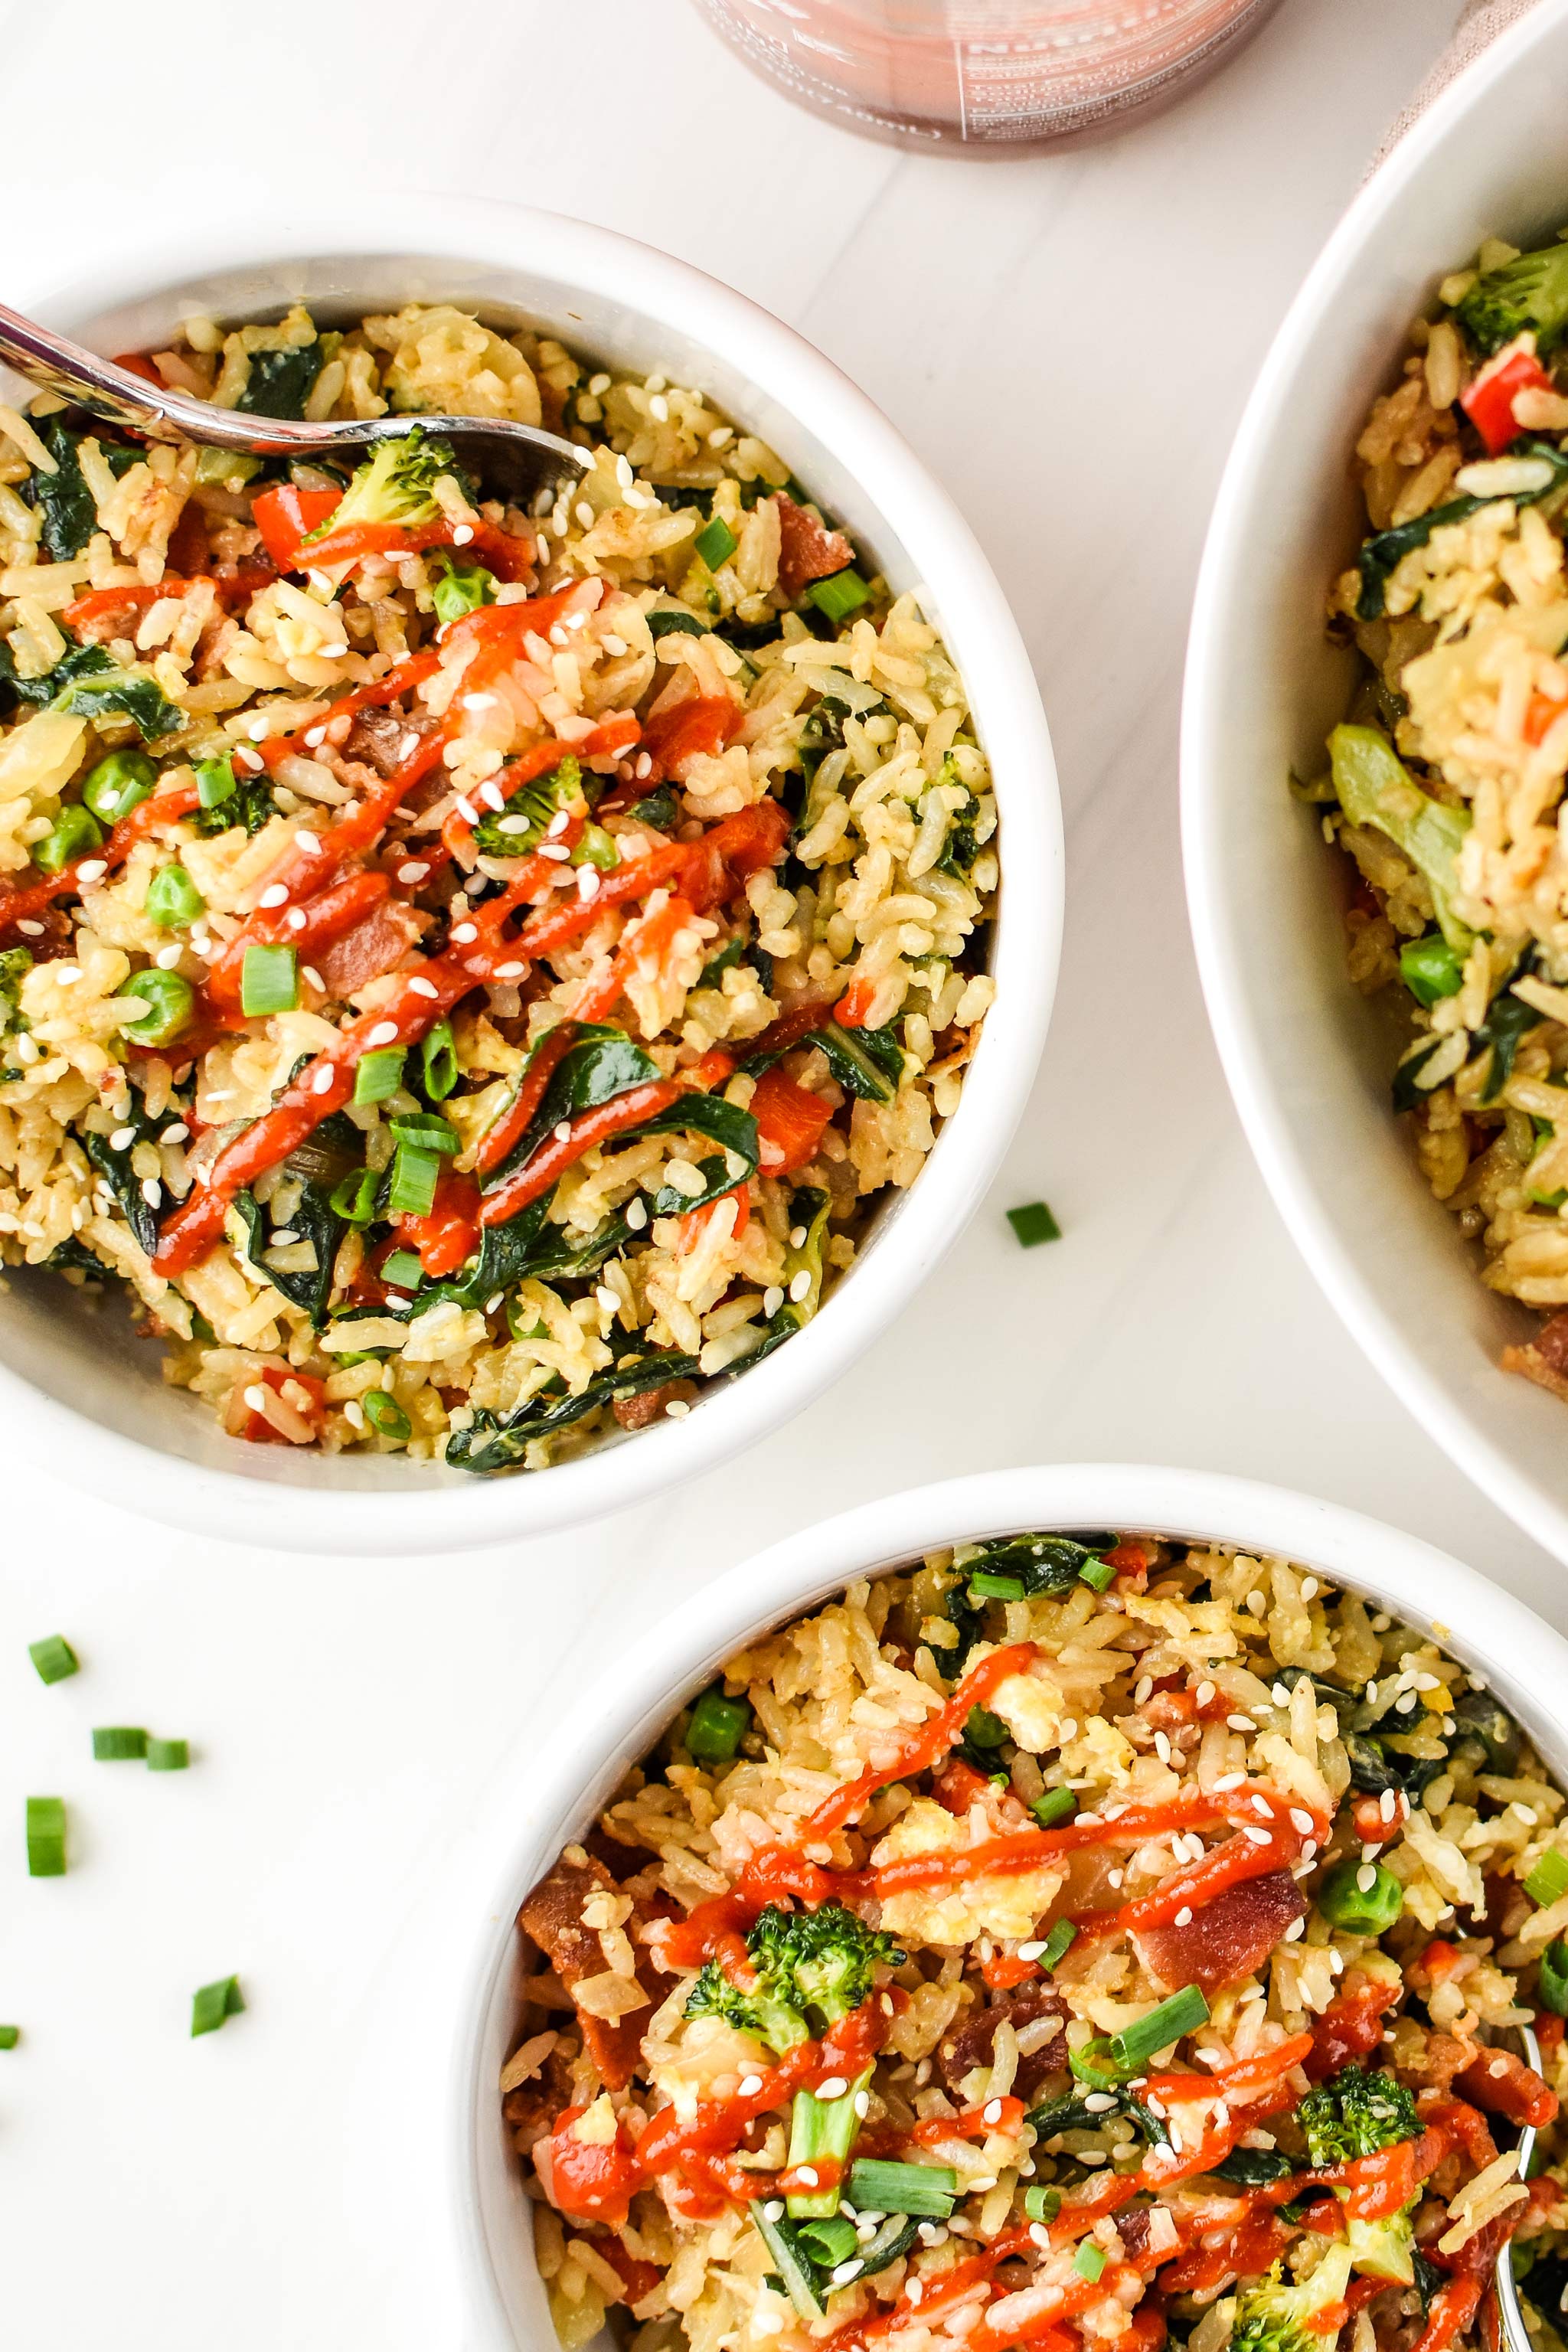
{"points": [[984, 77]]}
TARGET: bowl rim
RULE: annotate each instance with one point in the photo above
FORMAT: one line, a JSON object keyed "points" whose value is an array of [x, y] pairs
{"points": [[151, 257], [1522, 1657], [1216, 926]]}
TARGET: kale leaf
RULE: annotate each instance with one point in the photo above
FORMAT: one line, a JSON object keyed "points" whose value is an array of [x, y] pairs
{"points": [[280, 382], [491, 1444]]}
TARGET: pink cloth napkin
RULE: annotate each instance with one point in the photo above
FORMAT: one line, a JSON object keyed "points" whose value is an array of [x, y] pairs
{"points": [[1480, 22]]}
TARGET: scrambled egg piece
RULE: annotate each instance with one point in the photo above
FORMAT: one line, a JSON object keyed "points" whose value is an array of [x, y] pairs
{"points": [[1030, 1704], [956, 1913]]}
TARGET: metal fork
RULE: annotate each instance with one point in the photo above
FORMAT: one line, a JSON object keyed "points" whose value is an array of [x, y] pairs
{"points": [[517, 462], [1513, 2335]]}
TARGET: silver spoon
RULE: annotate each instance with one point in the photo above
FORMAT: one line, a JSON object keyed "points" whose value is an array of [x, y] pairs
{"points": [[1514, 2334], [517, 462]]}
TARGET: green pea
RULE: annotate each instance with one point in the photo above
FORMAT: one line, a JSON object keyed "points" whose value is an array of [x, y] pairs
{"points": [[173, 902], [171, 1003], [75, 831], [118, 783], [1368, 1910]]}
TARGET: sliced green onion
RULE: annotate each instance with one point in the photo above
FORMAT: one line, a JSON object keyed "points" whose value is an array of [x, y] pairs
{"points": [[438, 1055], [415, 1176], [378, 1075], [45, 1837], [74, 833], [1058, 1943], [1367, 1910], [1042, 2204], [354, 1198], [796, 2277], [428, 1131], [828, 2242], [984, 1729], [1089, 2260], [1055, 1805], [173, 901], [402, 1270], [385, 1414], [984, 1586], [1430, 968], [215, 782], [269, 981], [1549, 1880], [1552, 1984], [1184, 2012], [54, 1658], [1097, 1573], [118, 1743], [716, 543], [841, 594], [1033, 1223], [9, 2036], [879, 2188], [168, 1755], [214, 2004], [717, 1727]]}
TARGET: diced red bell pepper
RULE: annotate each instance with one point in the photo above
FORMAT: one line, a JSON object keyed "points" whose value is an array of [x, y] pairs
{"points": [[675, 736], [789, 1122], [286, 517], [854, 1006], [1488, 402], [138, 363], [258, 1430]]}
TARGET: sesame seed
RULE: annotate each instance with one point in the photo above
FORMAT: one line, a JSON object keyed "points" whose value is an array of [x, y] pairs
{"points": [[1228, 1780], [1240, 1722], [1031, 1951], [1255, 1837], [30, 929], [294, 921], [384, 1034], [1261, 1805], [551, 849], [1366, 1877], [469, 814], [563, 1131], [322, 1084], [1143, 1690], [677, 1410], [251, 759], [175, 1134], [463, 932], [833, 2088], [152, 1191], [913, 2290], [991, 2113], [92, 870], [797, 1238], [862, 2104], [281, 1237], [1281, 1695], [66, 975], [310, 972], [1303, 1820], [420, 986], [750, 2084], [167, 958], [1162, 1748], [1308, 1588], [644, 765], [353, 1413], [801, 1287], [510, 970], [807, 2174], [772, 1300], [412, 870], [616, 645], [122, 1138], [256, 1397], [275, 895], [587, 882], [608, 1299], [315, 737], [637, 1217], [463, 533], [492, 796]]}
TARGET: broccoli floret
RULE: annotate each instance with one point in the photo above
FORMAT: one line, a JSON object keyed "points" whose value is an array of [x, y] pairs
{"points": [[1528, 292], [514, 830], [821, 1960], [395, 484], [772, 2021], [1355, 2115], [1271, 2317]]}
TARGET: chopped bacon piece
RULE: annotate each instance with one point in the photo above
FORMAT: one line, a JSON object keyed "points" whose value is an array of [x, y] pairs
{"points": [[1505, 2085], [188, 541], [971, 2044], [377, 737], [1544, 1359], [552, 1916], [374, 946], [637, 1411], [1227, 1938], [807, 550]]}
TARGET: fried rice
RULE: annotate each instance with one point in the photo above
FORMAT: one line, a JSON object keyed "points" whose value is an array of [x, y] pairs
{"points": [[1446, 787], [1060, 1941], [466, 975]]}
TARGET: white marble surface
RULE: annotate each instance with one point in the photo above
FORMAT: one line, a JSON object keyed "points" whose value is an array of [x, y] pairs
{"points": [[1068, 343]]}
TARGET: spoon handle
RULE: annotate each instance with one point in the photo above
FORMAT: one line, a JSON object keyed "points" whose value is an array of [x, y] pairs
{"points": [[56, 364]]}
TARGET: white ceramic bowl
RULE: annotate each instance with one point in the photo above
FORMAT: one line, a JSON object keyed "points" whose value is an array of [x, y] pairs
{"points": [[1519, 1657], [1308, 1061], [76, 1390]]}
